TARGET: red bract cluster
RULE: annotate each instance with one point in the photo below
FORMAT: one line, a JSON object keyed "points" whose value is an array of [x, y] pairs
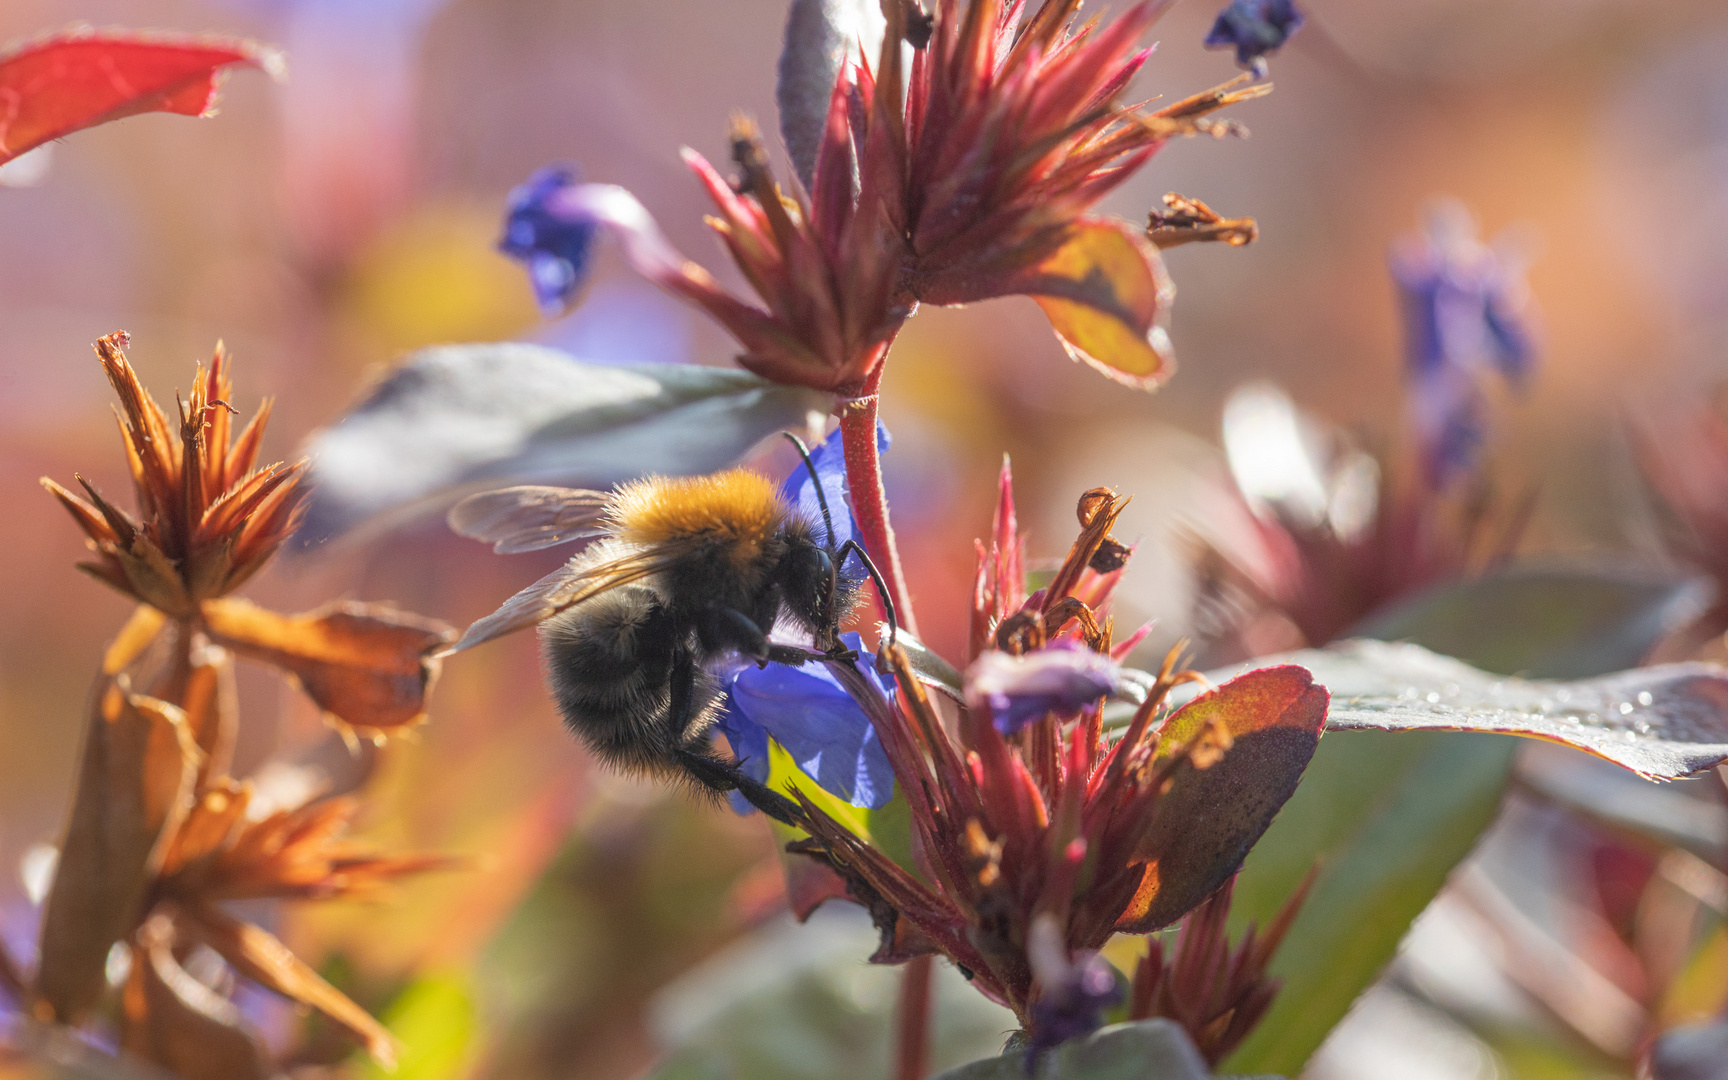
{"points": [[1019, 819], [1325, 581], [970, 176], [1685, 462]]}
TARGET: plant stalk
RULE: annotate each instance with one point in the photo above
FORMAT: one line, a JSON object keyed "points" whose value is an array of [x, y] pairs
{"points": [[869, 500], [913, 1019]]}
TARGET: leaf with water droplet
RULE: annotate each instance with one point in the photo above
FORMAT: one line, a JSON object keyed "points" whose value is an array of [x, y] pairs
{"points": [[1661, 722]]}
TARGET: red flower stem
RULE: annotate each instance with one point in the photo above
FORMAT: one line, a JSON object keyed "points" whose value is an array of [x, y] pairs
{"points": [[869, 501], [914, 1019]]}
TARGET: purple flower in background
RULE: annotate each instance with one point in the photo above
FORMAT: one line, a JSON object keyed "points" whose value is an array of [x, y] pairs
{"points": [[1062, 679], [1465, 314], [1073, 992], [807, 712], [1254, 28], [555, 245]]}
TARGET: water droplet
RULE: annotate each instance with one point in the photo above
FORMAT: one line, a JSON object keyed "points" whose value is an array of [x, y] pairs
{"points": [[1645, 697], [1626, 708]]}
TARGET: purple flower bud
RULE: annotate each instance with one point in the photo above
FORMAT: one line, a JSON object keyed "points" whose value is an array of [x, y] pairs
{"points": [[1254, 28], [1073, 990], [1017, 690], [555, 243]]}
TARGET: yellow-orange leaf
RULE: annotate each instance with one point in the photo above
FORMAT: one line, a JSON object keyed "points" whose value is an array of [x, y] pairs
{"points": [[368, 666], [1106, 294]]}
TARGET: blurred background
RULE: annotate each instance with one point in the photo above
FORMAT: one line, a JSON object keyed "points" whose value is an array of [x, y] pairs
{"points": [[324, 225]]}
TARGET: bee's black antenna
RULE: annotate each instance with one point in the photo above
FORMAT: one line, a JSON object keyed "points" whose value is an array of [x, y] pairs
{"points": [[815, 480], [850, 545], [881, 586]]}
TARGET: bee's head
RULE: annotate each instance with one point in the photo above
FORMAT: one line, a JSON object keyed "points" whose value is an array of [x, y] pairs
{"points": [[817, 596]]}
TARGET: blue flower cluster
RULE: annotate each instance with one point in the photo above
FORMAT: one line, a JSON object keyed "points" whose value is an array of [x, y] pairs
{"points": [[1464, 316]]}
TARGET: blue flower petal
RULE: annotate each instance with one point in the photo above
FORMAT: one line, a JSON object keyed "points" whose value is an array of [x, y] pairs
{"points": [[1254, 28], [805, 710], [556, 244]]}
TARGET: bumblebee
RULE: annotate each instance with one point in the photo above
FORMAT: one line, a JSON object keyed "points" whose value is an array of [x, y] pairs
{"points": [[684, 577]]}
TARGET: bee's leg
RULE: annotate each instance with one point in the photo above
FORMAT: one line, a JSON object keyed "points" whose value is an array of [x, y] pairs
{"points": [[697, 755], [736, 630], [712, 772]]}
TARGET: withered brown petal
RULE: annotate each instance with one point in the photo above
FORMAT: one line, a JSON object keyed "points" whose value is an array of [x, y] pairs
{"points": [[212, 708], [367, 665], [91, 520], [207, 825], [1204, 824], [176, 1021], [129, 644], [151, 576], [260, 957], [133, 789]]}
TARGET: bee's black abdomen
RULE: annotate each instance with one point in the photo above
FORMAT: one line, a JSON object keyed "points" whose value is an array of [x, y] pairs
{"points": [[609, 661]]}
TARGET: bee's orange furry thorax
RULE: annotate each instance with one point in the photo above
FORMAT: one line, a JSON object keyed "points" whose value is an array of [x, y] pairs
{"points": [[736, 507]]}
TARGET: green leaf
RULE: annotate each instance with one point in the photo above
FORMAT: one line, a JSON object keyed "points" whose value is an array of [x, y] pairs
{"points": [[434, 1022], [1385, 816], [456, 419], [1143, 1050], [1545, 622]]}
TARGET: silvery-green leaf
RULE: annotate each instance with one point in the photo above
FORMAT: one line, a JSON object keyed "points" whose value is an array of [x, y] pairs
{"points": [[1661, 722], [1142, 1050], [797, 1002], [932, 670], [455, 419], [1387, 815], [821, 35]]}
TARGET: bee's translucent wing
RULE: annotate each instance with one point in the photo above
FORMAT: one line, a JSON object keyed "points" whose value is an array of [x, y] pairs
{"points": [[517, 519], [564, 587]]}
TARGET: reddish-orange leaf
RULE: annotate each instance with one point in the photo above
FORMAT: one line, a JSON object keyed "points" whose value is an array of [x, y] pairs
{"points": [[133, 788], [1204, 824], [207, 826], [367, 665], [76, 79]]}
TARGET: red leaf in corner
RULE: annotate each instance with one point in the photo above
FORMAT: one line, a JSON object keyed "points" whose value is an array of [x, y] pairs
{"points": [[55, 85]]}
